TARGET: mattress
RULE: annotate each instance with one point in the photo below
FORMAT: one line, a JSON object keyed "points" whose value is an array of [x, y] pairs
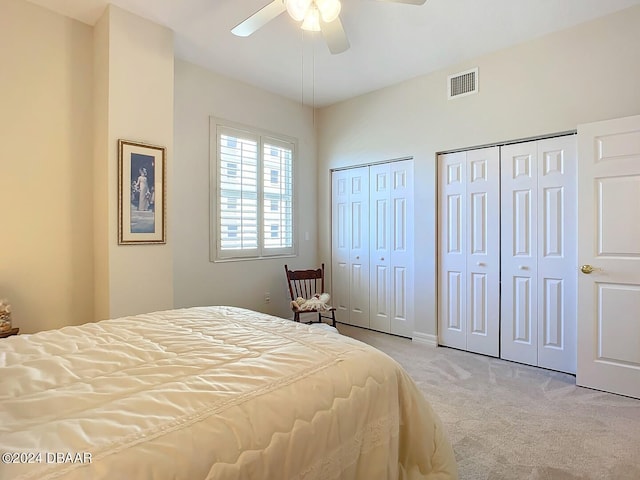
{"points": [[211, 393]]}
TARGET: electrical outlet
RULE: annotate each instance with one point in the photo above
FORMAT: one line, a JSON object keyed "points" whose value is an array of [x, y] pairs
{"points": [[267, 297]]}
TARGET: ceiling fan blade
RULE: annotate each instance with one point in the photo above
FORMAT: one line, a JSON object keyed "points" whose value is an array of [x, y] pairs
{"points": [[259, 19], [411, 2], [335, 36]]}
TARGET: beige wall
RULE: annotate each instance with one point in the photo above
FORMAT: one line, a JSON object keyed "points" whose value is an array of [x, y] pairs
{"points": [[46, 237], [197, 281], [58, 155], [134, 101], [549, 85]]}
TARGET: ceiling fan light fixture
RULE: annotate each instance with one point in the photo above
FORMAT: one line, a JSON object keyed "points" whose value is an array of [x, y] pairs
{"points": [[329, 9], [311, 21], [314, 15], [297, 9], [310, 12]]}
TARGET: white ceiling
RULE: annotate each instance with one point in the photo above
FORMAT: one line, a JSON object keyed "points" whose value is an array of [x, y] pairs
{"points": [[389, 42]]}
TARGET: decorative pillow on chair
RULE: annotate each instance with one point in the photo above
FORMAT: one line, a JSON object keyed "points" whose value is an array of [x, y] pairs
{"points": [[317, 302]]}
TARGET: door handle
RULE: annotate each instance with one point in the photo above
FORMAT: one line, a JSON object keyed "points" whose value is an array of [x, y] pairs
{"points": [[587, 269]]}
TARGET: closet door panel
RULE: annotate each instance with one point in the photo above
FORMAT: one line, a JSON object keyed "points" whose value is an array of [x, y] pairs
{"points": [[519, 305], [380, 225], [452, 291], [557, 261], [483, 251], [401, 252], [359, 246], [340, 241]]}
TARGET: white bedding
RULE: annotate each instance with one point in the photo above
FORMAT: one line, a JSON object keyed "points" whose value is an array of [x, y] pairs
{"points": [[215, 393]]}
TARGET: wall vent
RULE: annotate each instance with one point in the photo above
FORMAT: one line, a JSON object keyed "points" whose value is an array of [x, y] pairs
{"points": [[462, 84]]}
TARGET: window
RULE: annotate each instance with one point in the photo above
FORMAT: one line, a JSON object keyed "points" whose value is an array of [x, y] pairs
{"points": [[254, 194]]}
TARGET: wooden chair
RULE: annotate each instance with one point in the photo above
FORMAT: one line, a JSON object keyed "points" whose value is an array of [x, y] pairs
{"points": [[305, 284]]}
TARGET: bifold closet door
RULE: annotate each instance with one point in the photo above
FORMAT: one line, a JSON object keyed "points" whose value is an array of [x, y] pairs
{"points": [[350, 245], [469, 259], [391, 248], [372, 246], [538, 294]]}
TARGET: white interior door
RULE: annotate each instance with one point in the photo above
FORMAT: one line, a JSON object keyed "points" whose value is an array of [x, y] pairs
{"points": [[380, 248], [372, 246], [359, 246], [452, 247], [538, 294], [557, 257], [609, 243], [483, 251], [401, 248], [469, 226], [340, 244], [519, 293]]}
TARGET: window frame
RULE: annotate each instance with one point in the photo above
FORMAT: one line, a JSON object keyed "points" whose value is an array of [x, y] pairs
{"points": [[220, 127]]}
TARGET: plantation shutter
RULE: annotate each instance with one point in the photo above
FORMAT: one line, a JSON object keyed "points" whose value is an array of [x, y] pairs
{"points": [[238, 198], [255, 195], [277, 212]]}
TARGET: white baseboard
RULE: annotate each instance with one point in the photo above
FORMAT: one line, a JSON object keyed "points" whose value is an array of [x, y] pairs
{"points": [[425, 339]]}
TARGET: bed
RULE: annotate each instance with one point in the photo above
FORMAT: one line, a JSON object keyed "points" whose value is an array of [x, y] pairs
{"points": [[211, 393]]}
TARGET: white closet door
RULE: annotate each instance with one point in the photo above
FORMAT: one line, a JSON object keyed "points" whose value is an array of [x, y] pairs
{"points": [[452, 291], [340, 242], [557, 257], [538, 253], [380, 249], [402, 248], [519, 310], [469, 225], [372, 243], [483, 251], [359, 246]]}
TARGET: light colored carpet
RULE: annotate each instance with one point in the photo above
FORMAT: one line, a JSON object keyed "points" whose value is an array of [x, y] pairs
{"points": [[514, 422]]}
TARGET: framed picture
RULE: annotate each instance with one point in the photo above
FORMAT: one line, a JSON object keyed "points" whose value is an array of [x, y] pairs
{"points": [[141, 193]]}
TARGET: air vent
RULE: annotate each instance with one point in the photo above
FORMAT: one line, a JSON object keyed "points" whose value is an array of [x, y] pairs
{"points": [[463, 83]]}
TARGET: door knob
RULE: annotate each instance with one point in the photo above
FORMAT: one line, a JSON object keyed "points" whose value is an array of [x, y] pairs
{"points": [[586, 269]]}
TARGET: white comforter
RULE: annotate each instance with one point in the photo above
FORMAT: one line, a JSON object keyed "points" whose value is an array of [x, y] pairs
{"points": [[216, 393]]}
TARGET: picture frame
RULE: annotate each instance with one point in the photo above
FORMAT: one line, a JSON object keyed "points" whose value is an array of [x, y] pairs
{"points": [[141, 193]]}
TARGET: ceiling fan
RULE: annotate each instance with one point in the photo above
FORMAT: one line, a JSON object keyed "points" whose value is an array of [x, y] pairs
{"points": [[315, 15]]}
